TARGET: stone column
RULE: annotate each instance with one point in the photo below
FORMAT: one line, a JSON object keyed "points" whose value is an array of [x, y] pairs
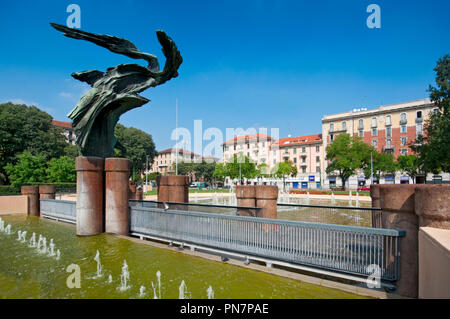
{"points": [[139, 194], [432, 204], [266, 198], [376, 215], [397, 204], [178, 188], [245, 196], [90, 198], [32, 193], [131, 190], [163, 188], [47, 191], [117, 214]]}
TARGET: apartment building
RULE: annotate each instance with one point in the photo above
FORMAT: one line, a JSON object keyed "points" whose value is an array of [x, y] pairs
{"points": [[257, 147], [165, 161], [388, 128], [68, 130]]}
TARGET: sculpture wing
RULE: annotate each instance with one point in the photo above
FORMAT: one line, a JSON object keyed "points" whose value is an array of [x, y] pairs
{"points": [[113, 44], [90, 77]]}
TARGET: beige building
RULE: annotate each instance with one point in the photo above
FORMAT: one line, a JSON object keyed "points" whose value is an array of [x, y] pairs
{"points": [[67, 130], [257, 147], [164, 162], [389, 128]]}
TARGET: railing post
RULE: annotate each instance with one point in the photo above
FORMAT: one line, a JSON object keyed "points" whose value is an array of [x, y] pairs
{"points": [[117, 171], [432, 204], [90, 198], [173, 188], [32, 193], [397, 204]]}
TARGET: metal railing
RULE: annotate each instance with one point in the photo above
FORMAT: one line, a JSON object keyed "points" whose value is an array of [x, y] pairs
{"points": [[58, 209], [344, 249], [338, 215]]}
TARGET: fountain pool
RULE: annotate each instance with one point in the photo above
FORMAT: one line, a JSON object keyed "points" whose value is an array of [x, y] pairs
{"points": [[26, 273]]}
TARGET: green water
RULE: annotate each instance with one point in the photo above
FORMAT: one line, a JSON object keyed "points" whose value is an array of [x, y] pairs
{"points": [[25, 273]]}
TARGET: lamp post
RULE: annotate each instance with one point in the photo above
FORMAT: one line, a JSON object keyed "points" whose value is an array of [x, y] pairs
{"points": [[146, 171], [371, 167]]}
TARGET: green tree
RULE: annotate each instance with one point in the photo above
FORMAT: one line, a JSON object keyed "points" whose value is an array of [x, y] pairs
{"points": [[71, 151], [220, 172], [433, 148], [26, 128], [284, 169], [138, 144], [28, 169], [61, 170], [263, 170], [346, 154], [409, 164], [383, 163], [241, 167]]}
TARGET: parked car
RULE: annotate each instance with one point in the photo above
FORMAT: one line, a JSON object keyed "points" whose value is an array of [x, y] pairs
{"points": [[363, 188]]}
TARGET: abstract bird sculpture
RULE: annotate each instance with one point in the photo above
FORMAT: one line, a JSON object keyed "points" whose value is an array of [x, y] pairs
{"points": [[115, 91]]}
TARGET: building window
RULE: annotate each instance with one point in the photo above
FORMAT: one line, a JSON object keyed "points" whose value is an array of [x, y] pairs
{"points": [[304, 159], [403, 118], [344, 126], [331, 137], [317, 159], [286, 151], [374, 143], [303, 169], [388, 142], [317, 169], [404, 151], [374, 122], [331, 127], [295, 160], [317, 148], [374, 132], [403, 129], [435, 111], [419, 114], [303, 149], [361, 133], [388, 131], [295, 151], [419, 129], [403, 140], [388, 120], [361, 124]]}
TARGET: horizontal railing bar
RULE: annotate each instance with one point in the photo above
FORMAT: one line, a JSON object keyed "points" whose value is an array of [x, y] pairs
{"points": [[354, 229], [57, 201], [194, 204], [332, 207]]}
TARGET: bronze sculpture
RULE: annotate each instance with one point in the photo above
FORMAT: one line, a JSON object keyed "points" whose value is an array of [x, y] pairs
{"points": [[115, 91]]}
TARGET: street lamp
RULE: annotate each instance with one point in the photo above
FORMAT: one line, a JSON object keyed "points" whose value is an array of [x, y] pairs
{"points": [[146, 171], [371, 167]]}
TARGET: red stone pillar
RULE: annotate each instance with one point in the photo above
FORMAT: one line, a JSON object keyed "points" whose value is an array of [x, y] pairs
{"points": [[163, 188], [139, 194], [376, 215], [397, 204], [432, 204], [131, 190], [32, 192], [117, 214], [90, 198], [47, 191], [266, 198], [178, 188], [245, 196]]}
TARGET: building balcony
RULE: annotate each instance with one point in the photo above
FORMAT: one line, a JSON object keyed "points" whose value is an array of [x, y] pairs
{"points": [[389, 149]]}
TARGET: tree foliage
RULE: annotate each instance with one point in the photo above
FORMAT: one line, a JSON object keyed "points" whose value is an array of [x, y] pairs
{"points": [[28, 169], [61, 170], [346, 154], [383, 163], [202, 170], [26, 128], [138, 144], [433, 148], [409, 164]]}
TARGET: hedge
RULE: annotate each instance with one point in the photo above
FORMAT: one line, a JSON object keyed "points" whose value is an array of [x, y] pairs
{"points": [[11, 190]]}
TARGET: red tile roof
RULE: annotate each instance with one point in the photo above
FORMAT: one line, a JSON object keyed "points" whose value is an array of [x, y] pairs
{"points": [[298, 140], [62, 124], [250, 137]]}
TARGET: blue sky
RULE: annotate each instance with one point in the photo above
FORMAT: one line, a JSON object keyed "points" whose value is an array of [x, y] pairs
{"points": [[281, 64]]}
